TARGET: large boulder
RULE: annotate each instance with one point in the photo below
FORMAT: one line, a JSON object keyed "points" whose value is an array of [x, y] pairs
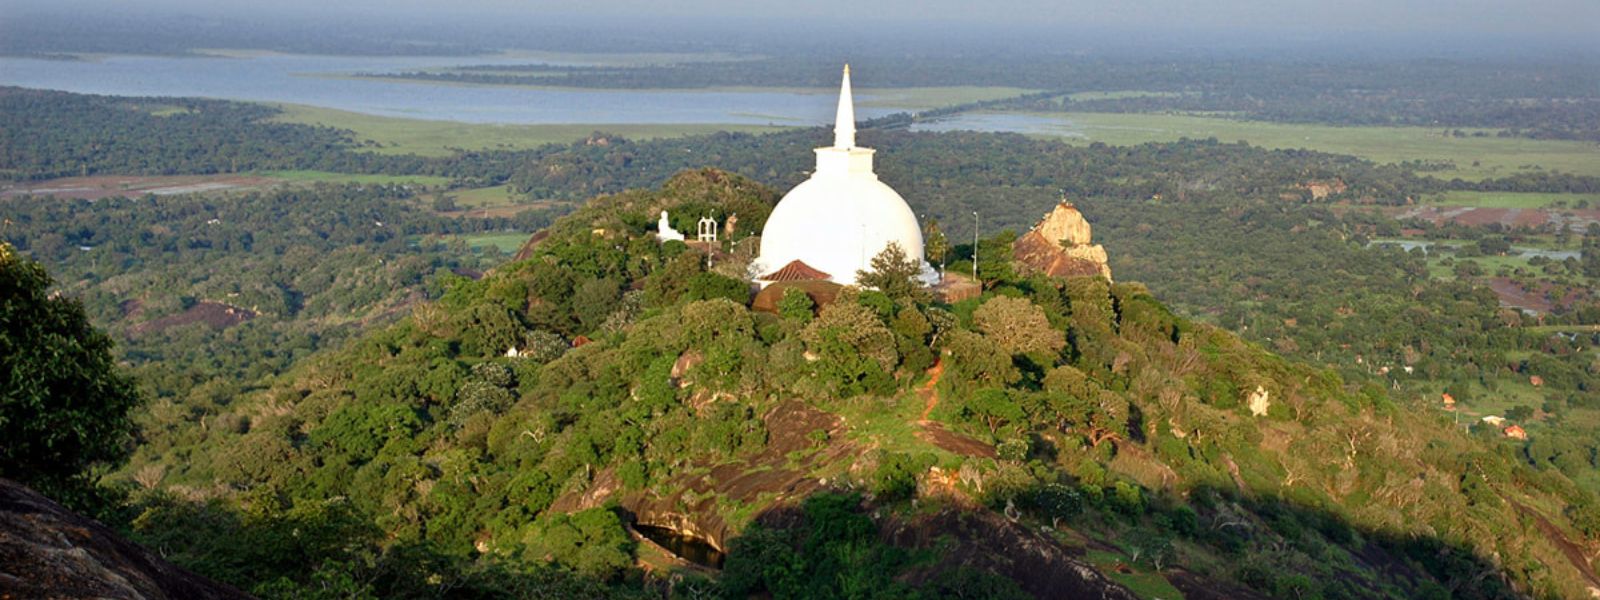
{"points": [[47, 551], [1061, 245]]}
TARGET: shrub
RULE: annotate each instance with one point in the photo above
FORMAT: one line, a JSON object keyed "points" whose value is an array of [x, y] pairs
{"points": [[797, 305], [591, 543]]}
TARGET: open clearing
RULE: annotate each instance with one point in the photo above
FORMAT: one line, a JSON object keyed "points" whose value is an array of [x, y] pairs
{"points": [[484, 197], [506, 242], [1514, 200], [441, 138], [1474, 158], [108, 186], [327, 177]]}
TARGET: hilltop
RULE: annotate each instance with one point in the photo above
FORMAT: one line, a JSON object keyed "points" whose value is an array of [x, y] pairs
{"points": [[1055, 434]]}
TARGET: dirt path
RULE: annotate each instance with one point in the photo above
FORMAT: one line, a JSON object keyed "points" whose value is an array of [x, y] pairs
{"points": [[933, 432], [929, 391]]}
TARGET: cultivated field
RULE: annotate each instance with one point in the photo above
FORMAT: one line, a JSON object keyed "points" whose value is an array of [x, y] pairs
{"points": [[440, 138], [1514, 200], [1474, 157]]}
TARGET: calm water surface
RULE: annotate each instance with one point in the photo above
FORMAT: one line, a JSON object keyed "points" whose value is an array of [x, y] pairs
{"points": [[314, 80], [1026, 124]]}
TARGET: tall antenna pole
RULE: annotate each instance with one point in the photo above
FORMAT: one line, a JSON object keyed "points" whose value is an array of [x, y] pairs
{"points": [[975, 247]]}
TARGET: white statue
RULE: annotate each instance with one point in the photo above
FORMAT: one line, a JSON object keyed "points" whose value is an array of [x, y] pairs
{"points": [[664, 230]]}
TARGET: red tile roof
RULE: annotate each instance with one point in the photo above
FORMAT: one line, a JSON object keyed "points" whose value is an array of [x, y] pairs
{"points": [[795, 271]]}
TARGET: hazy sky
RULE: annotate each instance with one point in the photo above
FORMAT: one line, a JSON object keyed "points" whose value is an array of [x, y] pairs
{"points": [[1438, 17]]}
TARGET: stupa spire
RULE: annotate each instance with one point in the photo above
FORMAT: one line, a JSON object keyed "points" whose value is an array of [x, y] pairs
{"points": [[844, 125]]}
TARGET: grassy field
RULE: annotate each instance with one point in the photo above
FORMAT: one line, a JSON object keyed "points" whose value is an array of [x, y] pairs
{"points": [[1513, 199], [506, 242], [484, 197], [1118, 95], [1474, 158], [437, 138], [327, 177], [1491, 265]]}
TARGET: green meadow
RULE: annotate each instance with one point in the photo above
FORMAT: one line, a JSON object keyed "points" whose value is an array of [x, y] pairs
{"points": [[1514, 199], [1474, 158], [506, 242], [438, 138]]}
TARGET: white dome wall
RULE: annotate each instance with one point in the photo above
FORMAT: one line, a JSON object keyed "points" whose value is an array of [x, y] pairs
{"points": [[841, 217], [837, 223]]}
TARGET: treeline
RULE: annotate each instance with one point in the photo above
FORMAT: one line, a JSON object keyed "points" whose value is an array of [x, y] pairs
{"points": [[1074, 74], [1557, 118], [46, 134], [61, 36], [70, 134], [1542, 101]]}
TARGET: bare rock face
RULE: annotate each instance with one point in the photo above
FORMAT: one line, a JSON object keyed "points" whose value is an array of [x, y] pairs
{"points": [[1061, 246], [47, 551]]}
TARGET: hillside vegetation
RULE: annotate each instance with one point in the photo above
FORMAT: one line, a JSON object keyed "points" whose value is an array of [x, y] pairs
{"points": [[875, 447]]}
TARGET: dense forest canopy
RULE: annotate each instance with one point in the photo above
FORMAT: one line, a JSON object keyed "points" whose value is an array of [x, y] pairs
{"points": [[332, 360], [1113, 418]]}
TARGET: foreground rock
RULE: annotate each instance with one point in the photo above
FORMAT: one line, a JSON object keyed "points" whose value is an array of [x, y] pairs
{"points": [[1061, 245], [47, 551]]}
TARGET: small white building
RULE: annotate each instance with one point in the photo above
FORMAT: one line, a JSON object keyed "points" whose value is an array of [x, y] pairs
{"points": [[707, 230]]}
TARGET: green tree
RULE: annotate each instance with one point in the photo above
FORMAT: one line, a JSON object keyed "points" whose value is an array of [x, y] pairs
{"points": [[994, 259], [708, 285], [594, 301], [995, 407], [797, 304], [896, 274], [1494, 245], [592, 543], [1018, 326], [934, 243], [63, 402], [856, 351]]}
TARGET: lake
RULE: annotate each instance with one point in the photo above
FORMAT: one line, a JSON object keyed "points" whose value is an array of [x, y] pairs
{"points": [[323, 81], [1023, 123]]}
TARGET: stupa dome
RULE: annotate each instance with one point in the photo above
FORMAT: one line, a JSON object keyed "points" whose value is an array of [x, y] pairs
{"points": [[839, 219]]}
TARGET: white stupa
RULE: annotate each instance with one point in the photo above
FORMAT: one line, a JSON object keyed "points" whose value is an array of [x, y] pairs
{"points": [[833, 224]]}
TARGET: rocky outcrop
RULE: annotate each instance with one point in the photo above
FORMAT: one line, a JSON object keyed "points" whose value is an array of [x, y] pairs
{"points": [[991, 542], [1061, 245], [47, 551], [691, 505], [1323, 188]]}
